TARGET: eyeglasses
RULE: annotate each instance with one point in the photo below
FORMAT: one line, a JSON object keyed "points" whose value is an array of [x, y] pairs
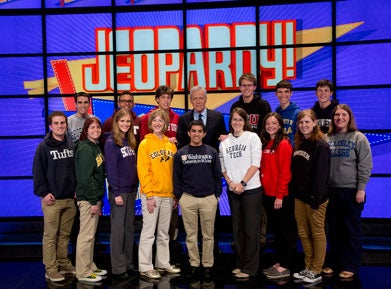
{"points": [[127, 101]]}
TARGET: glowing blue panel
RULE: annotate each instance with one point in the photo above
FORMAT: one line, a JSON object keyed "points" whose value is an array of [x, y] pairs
{"points": [[371, 19], [21, 34], [77, 33], [21, 116], [19, 75]]}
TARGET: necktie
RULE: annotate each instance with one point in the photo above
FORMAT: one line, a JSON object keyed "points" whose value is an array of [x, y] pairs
{"points": [[200, 117]]}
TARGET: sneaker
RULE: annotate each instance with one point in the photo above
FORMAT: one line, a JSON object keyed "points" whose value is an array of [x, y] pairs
{"points": [[270, 269], [275, 274], [91, 278], [54, 276], [172, 270], [151, 274], [68, 270], [301, 274], [312, 277], [100, 272]]}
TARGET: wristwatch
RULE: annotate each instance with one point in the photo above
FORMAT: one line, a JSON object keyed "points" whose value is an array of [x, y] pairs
{"points": [[243, 183]]}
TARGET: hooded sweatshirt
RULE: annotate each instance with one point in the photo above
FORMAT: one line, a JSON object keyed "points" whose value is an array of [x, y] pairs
{"points": [[155, 163], [121, 170], [54, 168], [289, 116], [256, 109], [90, 172], [324, 114]]}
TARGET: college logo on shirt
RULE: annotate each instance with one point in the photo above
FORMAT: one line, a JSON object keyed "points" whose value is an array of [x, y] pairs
{"points": [[99, 160], [127, 151], [164, 155], [253, 120], [196, 159], [235, 151], [66, 153]]}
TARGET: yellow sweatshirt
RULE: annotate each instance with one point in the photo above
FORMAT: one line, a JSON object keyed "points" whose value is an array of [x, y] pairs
{"points": [[155, 163]]}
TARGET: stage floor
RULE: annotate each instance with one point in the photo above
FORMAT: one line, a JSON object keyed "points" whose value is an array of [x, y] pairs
{"points": [[24, 271]]}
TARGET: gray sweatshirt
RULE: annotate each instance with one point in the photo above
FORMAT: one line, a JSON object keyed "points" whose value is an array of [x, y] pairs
{"points": [[351, 160]]}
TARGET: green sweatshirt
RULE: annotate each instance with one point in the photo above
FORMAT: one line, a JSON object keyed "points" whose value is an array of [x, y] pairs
{"points": [[89, 172]]}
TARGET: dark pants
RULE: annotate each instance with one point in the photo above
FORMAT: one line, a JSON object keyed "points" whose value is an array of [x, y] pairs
{"points": [[282, 223], [122, 233], [344, 219], [246, 218]]}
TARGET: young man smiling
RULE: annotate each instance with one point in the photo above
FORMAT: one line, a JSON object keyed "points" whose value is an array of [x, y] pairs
{"points": [[198, 199], [325, 104], [254, 105], [55, 183], [287, 109], [76, 121]]}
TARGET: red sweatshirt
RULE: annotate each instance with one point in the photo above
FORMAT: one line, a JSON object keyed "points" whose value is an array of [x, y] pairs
{"points": [[276, 169]]}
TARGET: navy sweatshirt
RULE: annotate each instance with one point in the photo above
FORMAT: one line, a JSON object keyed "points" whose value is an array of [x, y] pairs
{"points": [[197, 171]]}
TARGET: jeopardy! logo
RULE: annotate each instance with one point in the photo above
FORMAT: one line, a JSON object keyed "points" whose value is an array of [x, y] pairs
{"points": [[218, 54]]}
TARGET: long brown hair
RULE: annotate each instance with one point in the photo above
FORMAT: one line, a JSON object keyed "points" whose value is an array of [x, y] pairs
{"points": [[129, 135], [316, 134], [352, 121]]}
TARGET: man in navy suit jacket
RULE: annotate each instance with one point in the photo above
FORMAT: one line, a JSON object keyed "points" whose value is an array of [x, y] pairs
{"points": [[213, 120]]}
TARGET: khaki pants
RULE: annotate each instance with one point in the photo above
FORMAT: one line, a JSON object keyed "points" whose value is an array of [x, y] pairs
{"points": [[159, 222], [205, 208], [85, 265], [58, 220], [310, 227]]}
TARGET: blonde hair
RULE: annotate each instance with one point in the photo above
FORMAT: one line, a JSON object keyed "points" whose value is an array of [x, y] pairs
{"points": [[163, 115]]}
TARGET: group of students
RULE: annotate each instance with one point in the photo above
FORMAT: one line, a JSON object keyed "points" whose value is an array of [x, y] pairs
{"points": [[291, 178], [302, 184]]}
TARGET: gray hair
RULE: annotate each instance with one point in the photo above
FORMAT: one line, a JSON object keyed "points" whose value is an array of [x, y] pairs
{"points": [[198, 88]]}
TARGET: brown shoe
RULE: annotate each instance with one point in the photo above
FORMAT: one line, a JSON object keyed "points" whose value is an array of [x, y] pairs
{"points": [[68, 270], [54, 276]]}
